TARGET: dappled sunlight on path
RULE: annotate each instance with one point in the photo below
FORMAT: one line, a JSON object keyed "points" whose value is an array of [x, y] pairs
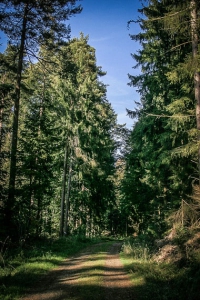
{"points": [[117, 283], [95, 274]]}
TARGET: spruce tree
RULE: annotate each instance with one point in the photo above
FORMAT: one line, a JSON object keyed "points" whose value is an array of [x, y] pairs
{"points": [[88, 121], [29, 24], [163, 136]]}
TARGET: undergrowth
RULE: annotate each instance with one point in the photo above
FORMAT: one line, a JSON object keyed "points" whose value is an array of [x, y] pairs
{"points": [[22, 267], [160, 281]]}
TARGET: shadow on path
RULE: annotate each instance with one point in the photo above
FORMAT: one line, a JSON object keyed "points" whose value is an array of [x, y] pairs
{"points": [[92, 275]]}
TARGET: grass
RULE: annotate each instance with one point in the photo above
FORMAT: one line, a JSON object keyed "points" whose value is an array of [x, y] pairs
{"points": [[21, 268], [163, 281]]}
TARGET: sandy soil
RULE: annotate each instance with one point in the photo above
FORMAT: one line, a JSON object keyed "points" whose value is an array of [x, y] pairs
{"points": [[91, 275], [117, 284]]}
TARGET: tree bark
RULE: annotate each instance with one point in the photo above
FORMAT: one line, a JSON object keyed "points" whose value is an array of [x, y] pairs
{"points": [[63, 189], [194, 34], [13, 161], [67, 198]]}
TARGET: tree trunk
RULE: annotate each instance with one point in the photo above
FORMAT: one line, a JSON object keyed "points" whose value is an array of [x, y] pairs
{"points": [[1, 137], [194, 34], [39, 197], [11, 192], [1, 123], [63, 189], [67, 198]]}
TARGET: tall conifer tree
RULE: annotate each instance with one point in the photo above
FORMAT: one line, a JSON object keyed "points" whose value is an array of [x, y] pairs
{"points": [[166, 123], [29, 24]]}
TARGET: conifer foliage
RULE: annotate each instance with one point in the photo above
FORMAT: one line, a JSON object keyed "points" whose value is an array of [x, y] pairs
{"points": [[66, 167], [164, 156], [57, 122]]}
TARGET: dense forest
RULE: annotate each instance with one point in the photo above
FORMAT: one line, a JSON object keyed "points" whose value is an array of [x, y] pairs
{"points": [[161, 181], [66, 166]]}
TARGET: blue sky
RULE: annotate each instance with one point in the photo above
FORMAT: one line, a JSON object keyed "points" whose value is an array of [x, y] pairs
{"points": [[105, 21]]}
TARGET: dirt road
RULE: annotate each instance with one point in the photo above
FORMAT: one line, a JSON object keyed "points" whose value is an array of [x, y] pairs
{"points": [[94, 274]]}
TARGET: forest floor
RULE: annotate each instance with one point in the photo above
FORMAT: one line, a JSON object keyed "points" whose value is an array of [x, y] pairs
{"points": [[96, 273]]}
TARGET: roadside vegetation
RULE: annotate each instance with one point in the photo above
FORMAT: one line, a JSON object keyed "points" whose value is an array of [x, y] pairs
{"points": [[165, 269], [22, 267]]}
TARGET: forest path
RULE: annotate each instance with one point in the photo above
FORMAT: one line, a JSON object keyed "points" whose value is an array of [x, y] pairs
{"points": [[96, 273]]}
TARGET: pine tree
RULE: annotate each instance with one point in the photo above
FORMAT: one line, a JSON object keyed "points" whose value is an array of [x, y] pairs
{"points": [[38, 145], [166, 124], [36, 22], [8, 71], [88, 121]]}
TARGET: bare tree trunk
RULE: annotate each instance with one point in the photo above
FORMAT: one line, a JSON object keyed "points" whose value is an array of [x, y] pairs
{"points": [[39, 216], [67, 198], [39, 200], [11, 192], [63, 189], [1, 134], [1, 123], [194, 33]]}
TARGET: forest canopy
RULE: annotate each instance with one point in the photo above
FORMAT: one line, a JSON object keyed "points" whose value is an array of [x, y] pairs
{"points": [[66, 166]]}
